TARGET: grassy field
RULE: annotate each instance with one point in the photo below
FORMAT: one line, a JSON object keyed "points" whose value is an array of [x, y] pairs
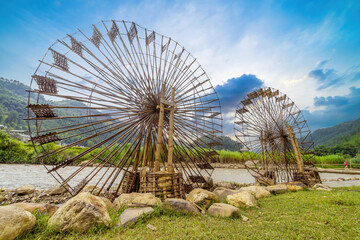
{"points": [[336, 161], [299, 215]]}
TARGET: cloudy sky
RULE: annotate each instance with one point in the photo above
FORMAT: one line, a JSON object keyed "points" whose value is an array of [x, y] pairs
{"points": [[309, 50]]}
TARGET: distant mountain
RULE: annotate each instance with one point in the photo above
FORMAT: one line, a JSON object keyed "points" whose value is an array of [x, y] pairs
{"points": [[13, 102], [14, 86], [335, 135]]}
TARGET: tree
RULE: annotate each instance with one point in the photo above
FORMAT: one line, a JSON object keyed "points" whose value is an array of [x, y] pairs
{"points": [[12, 117], [321, 150], [348, 149]]}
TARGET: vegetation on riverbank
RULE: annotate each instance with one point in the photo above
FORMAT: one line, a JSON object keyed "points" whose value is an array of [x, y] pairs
{"points": [[293, 215], [18, 152], [15, 151]]}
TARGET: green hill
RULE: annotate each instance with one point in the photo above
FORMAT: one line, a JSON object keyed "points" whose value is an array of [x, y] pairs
{"points": [[13, 102], [12, 108], [339, 134]]}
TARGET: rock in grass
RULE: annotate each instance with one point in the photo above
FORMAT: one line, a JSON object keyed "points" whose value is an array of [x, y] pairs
{"points": [[80, 213], [222, 193], [108, 203], [136, 199], [320, 186], [258, 191], [223, 210], [202, 197], [295, 186], [91, 189], [37, 207], [277, 189], [228, 185], [243, 198], [14, 221], [245, 219], [178, 204], [209, 183], [25, 190], [151, 227], [2, 198], [131, 215]]}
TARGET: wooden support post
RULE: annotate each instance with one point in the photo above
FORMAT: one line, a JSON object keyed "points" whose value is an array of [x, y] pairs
{"points": [[132, 181], [159, 133], [154, 184], [136, 160], [295, 145], [171, 131], [163, 180], [146, 150], [262, 150]]}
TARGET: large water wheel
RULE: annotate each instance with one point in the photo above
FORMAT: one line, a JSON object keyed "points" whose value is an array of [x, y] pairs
{"points": [[127, 98]]}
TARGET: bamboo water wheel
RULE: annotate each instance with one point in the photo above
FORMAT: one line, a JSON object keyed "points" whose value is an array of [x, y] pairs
{"points": [[133, 102], [274, 138]]}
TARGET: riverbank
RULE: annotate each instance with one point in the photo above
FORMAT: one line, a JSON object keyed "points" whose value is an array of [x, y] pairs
{"points": [[17, 152], [309, 214]]}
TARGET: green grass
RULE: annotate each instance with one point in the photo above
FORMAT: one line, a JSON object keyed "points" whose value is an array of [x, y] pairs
{"points": [[330, 159], [226, 156], [336, 159], [298, 215]]}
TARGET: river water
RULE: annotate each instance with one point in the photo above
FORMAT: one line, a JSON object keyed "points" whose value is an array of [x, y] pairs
{"points": [[16, 175]]}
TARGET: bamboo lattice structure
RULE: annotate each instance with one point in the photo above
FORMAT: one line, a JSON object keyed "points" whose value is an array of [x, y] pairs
{"points": [[142, 104]]}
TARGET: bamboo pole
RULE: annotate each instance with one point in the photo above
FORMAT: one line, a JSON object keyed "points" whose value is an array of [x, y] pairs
{"points": [[159, 133], [295, 145], [171, 131], [262, 150]]}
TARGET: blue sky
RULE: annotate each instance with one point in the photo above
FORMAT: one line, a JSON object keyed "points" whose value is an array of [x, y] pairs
{"points": [[309, 50]]}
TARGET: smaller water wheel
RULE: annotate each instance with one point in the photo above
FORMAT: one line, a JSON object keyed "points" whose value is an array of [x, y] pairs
{"points": [[274, 138]]}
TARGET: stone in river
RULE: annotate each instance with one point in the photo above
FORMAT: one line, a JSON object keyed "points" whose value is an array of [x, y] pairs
{"points": [[25, 190]]}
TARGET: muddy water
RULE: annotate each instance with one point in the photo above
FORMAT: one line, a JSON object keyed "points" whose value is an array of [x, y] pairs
{"points": [[13, 176]]}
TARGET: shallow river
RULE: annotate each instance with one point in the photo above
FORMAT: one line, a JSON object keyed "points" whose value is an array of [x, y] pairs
{"points": [[15, 175]]}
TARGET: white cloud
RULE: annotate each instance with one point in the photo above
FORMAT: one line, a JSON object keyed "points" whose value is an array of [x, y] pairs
{"points": [[227, 40]]}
